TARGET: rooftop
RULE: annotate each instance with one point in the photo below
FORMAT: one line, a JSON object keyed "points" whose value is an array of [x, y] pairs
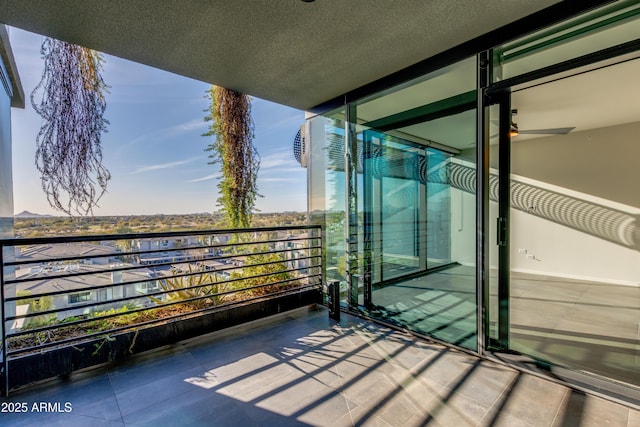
{"points": [[42, 279], [300, 368]]}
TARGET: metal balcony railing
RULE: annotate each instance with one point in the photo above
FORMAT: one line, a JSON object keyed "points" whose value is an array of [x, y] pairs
{"points": [[64, 291]]}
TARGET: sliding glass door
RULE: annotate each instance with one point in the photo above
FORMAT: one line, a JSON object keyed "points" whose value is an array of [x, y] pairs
{"points": [[416, 205], [565, 288], [395, 212]]}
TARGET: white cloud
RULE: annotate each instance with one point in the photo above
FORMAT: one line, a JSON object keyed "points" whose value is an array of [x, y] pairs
{"points": [[278, 179], [277, 160], [170, 131], [160, 166], [290, 121], [204, 178], [293, 170], [188, 126]]}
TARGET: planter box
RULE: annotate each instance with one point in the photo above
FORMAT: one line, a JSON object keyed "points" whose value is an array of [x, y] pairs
{"points": [[64, 360]]}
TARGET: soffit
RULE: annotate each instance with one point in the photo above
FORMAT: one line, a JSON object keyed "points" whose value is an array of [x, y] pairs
{"points": [[288, 51]]}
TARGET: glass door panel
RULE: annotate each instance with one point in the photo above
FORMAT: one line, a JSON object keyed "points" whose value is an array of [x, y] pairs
{"points": [[396, 211], [419, 208], [418, 211], [438, 233], [575, 252], [569, 265], [493, 303]]}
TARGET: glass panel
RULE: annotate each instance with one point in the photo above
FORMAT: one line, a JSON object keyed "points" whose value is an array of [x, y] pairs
{"points": [[494, 161], [396, 213], [575, 241], [418, 203], [438, 233], [324, 154], [600, 29]]}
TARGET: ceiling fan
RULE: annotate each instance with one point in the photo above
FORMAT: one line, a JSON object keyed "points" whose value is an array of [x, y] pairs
{"points": [[515, 131]]}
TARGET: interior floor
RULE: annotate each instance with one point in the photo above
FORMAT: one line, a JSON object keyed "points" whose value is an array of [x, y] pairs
{"points": [[587, 326], [441, 304]]}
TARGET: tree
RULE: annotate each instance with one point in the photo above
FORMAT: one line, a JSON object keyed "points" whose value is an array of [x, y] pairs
{"points": [[71, 104], [232, 127]]}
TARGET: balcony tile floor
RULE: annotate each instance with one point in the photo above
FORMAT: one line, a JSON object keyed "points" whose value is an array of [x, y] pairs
{"points": [[301, 368]]}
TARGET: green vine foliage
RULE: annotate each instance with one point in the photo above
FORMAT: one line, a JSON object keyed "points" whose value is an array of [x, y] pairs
{"points": [[70, 98], [232, 126]]}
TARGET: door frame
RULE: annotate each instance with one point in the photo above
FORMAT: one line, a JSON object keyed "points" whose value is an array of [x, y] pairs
{"points": [[499, 93], [501, 342]]}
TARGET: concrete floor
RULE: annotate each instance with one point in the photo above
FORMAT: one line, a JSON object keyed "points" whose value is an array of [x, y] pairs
{"points": [[301, 368], [583, 325]]}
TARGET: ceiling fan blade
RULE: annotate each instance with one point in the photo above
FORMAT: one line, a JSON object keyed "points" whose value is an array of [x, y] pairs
{"points": [[552, 131]]}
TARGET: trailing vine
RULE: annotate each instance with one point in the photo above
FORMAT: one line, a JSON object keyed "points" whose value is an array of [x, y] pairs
{"points": [[232, 127], [70, 98]]}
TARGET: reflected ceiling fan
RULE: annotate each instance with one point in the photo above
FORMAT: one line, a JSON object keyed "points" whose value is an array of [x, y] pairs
{"points": [[515, 131]]}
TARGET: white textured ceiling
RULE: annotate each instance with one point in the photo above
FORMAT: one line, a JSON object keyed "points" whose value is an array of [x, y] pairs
{"points": [[288, 51], [605, 97]]}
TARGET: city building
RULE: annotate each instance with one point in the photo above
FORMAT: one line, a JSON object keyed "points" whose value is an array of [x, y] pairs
{"points": [[473, 164], [93, 290], [96, 267]]}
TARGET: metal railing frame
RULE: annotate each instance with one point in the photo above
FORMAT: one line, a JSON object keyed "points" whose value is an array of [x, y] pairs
{"points": [[311, 279]]}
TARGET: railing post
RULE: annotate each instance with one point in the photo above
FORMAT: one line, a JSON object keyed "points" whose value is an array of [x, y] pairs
{"points": [[333, 294]]}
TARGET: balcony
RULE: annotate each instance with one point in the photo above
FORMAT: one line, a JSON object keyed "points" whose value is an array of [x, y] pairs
{"points": [[223, 328], [301, 368]]}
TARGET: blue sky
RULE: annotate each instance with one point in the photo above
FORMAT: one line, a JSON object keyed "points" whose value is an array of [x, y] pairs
{"points": [[153, 147]]}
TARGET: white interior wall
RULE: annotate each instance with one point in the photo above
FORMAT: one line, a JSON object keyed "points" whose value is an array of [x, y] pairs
{"points": [[599, 163], [556, 250]]}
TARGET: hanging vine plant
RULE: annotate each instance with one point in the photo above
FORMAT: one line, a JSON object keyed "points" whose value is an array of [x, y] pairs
{"points": [[70, 98], [232, 127]]}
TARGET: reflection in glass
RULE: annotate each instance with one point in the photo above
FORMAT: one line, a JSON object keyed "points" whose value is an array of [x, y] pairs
{"points": [[418, 226], [327, 189]]}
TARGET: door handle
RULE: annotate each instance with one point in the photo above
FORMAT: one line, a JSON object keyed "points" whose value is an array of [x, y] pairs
{"points": [[502, 231]]}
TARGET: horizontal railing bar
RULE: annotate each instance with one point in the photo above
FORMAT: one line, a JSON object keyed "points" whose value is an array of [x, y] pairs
{"points": [[164, 292], [81, 273], [195, 273], [105, 333], [134, 282], [132, 236], [143, 266], [235, 291], [152, 251], [137, 310], [77, 290], [230, 256], [74, 291]]}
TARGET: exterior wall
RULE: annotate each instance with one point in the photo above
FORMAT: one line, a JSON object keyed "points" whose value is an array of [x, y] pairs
{"points": [[6, 182], [98, 296]]}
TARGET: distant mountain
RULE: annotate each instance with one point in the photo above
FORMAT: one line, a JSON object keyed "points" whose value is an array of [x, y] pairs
{"points": [[27, 214]]}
